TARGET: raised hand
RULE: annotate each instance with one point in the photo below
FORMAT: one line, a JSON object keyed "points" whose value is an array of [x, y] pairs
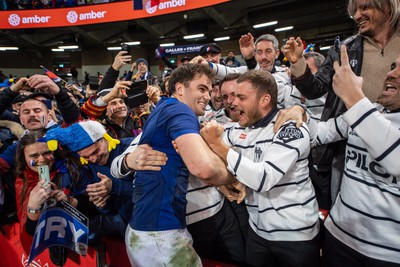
{"points": [[293, 49], [199, 60], [118, 91], [153, 93], [247, 46], [21, 84], [121, 59], [346, 84], [43, 83]]}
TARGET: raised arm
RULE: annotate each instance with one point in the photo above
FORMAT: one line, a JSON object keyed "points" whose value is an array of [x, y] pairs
{"points": [[311, 86]]}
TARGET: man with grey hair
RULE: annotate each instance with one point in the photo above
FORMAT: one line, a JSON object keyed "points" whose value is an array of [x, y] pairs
{"points": [[370, 51], [260, 54]]}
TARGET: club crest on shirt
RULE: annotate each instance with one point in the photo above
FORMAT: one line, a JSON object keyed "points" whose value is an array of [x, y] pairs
{"points": [[289, 132]]}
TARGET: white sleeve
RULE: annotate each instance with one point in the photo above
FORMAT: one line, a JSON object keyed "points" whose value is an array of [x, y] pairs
{"points": [[221, 71], [116, 165], [379, 134], [284, 86], [281, 157], [330, 131]]}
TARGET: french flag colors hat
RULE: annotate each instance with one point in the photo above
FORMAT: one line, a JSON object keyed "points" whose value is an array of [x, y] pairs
{"points": [[78, 136]]}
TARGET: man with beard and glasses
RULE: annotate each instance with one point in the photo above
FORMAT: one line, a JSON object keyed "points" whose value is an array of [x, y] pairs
{"points": [[370, 52]]}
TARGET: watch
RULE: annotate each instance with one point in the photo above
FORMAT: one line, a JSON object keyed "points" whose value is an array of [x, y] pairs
{"points": [[34, 211]]}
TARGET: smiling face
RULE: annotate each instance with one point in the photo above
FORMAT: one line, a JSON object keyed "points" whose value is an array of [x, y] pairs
{"points": [[96, 153], [266, 55], [142, 67], [228, 90], [390, 97], [371, 21], [197, 94], [38, 154], [116, 108]]}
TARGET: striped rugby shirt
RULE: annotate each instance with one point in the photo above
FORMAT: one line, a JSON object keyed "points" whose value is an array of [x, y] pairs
{"points": [[205, 200], [281, 200], [315, 106], [365, 215]]}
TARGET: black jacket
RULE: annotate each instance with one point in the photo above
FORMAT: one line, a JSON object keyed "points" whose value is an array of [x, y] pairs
{"points": [[315, 86], [69, 111], [109, 79]]}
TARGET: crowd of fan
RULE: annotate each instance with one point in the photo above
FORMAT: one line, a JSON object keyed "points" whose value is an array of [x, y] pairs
{"points": [[272, 126]]}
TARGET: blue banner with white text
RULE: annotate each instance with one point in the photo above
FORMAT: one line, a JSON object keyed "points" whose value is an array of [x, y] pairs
{"points": [[60, 224]]}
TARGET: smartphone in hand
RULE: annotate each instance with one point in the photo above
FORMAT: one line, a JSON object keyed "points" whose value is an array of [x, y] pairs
{"points": [[336, 45], [137, 94], [44, 173], [125, 47]]}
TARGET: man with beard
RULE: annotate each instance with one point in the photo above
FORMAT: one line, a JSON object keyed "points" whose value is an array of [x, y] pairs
{"points": [[96, 148], [218, 233], [370, 51], [369, 191], [283, 212]]}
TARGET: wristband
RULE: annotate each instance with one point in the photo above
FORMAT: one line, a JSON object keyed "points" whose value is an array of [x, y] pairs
{"points": [[34, 211], [124, 165]]}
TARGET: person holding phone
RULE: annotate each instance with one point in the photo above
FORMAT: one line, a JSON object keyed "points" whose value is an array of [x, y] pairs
{"points": [[67, 182], [370, 52], [142, 73], [119, 119]]}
